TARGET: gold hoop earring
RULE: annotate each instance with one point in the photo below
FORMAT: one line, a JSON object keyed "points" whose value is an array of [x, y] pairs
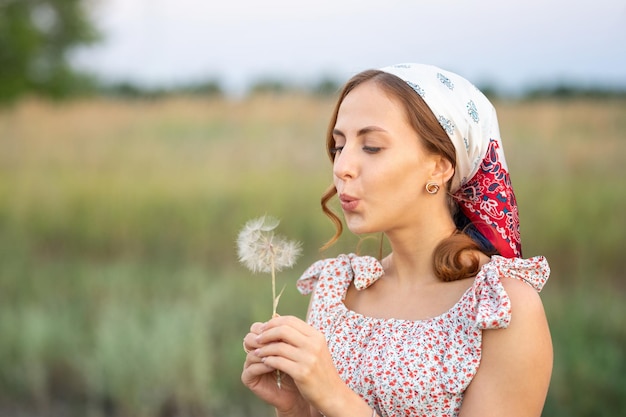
{"points": [[432, 187]]}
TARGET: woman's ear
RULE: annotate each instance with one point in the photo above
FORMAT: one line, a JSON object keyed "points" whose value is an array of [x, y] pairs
{"points": [[443, 169]]}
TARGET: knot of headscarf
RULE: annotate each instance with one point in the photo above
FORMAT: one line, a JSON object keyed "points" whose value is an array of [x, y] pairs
{"points": [[481, 183]]}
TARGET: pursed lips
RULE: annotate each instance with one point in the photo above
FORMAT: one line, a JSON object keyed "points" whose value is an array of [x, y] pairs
{"points": [[348, 203]]}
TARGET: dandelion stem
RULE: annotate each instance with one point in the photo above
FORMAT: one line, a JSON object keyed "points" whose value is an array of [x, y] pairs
{"points": [[274, 305], [274, 301]]}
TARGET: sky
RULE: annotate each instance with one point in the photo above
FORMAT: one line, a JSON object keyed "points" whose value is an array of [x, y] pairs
{"points": [[510, 45]]}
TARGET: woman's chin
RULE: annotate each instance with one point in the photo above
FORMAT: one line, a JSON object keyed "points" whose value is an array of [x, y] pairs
{"points": [[359, 228]]}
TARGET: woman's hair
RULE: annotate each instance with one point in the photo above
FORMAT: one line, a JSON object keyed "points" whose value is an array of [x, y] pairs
{"points": [[455, 257]]}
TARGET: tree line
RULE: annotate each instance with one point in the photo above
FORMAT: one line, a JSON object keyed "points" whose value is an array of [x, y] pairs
{"points": [[36, 37]]}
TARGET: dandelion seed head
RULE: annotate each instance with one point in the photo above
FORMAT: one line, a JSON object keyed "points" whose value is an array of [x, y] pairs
{"points": [[260, 250]]}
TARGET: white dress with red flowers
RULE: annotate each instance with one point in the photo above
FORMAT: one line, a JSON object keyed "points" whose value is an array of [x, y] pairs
{"points": [[406, 367]]}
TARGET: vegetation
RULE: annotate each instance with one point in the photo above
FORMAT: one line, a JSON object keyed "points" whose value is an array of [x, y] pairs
{"points": [[35, 38], [120, 290]]}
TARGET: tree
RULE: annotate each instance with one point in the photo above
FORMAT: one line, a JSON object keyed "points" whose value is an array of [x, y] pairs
{"points": [[35, 39]]}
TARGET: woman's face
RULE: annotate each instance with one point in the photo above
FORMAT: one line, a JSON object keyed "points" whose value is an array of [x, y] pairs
{"points": [[380, 167]]}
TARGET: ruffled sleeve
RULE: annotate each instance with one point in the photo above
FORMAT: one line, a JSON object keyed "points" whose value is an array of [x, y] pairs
{"points": [[306, 283], [492, 303], [328, 281], [364, 270], [533, 271]]}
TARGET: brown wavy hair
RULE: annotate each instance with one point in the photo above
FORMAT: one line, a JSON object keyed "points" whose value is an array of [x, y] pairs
{"points": [[455, 257]]}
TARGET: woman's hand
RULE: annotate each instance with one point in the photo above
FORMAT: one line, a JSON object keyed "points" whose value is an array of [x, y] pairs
{"points": [[293, 347], [310, 381], [261, 379]]}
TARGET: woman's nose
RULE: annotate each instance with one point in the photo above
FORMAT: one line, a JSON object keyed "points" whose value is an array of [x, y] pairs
{"points": [[345, 165]]}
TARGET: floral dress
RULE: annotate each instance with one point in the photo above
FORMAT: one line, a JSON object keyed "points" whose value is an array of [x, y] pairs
{"points": [[406, 367]]}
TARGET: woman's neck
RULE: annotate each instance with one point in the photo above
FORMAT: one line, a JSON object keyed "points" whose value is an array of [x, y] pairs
{"points": [[411, 258]]}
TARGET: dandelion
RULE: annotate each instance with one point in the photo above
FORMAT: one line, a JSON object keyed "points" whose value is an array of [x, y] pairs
{"points": [[260, 250]]}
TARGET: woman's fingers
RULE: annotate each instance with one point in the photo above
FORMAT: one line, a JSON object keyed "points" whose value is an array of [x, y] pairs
{"points": [[250, 342], [292, 346], [290, 321], [288, 344], [286, 329], [256, 368], [256, 327]]}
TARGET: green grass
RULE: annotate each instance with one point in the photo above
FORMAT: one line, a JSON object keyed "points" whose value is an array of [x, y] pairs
{"points": [[120, 292]]}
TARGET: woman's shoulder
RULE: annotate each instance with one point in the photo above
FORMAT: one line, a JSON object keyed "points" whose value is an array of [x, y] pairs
{"points": [[524, 298], [508, 286]]}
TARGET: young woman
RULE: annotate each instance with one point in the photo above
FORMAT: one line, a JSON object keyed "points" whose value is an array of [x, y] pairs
{"points": [[450, 323]]}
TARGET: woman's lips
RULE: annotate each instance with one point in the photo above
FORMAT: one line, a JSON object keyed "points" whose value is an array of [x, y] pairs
{"points": [[348, 203]]}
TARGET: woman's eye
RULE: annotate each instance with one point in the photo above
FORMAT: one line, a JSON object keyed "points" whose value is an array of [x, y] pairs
{"points": [[335, 150], [368, 149], [371, 149]]}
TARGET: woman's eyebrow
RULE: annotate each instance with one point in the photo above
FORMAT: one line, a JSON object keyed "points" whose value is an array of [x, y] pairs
{"points": [[369, 129], [361, 132], [337, 132]]}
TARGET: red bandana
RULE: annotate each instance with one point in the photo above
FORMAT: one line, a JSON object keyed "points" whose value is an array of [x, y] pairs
{"points": [[489, 203]]}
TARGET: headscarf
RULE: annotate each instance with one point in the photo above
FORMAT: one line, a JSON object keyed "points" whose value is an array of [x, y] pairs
{"points": [[481, 184]]}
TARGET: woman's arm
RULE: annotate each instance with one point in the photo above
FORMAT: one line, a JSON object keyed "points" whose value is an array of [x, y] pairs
{"points": [[516, 364]]}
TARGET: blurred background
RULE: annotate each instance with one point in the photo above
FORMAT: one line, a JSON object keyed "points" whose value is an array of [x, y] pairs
{"points": [[138, 136]]}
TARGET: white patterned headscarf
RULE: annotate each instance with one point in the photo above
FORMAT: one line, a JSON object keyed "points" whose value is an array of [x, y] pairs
{"points": [[481, 182]]}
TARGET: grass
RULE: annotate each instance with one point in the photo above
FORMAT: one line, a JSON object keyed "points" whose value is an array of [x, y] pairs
{"points": [[120, 290]]}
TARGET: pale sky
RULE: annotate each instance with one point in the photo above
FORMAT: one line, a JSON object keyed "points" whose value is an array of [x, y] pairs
{"points": [[508, 44]]}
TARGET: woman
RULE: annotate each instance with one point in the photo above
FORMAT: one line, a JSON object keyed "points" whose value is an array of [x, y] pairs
{"points": [[450, 322]]}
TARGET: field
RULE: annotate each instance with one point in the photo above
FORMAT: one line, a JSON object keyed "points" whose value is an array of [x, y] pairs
{"points": [[120, 292]]}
